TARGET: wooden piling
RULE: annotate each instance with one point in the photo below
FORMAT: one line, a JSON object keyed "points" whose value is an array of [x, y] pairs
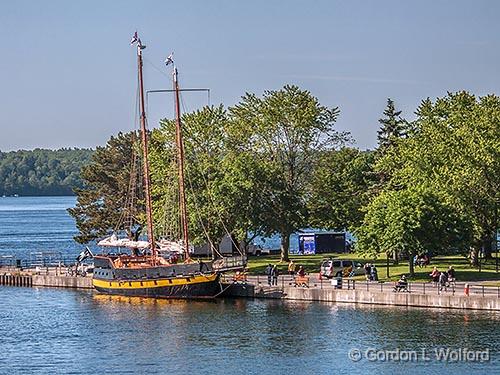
{"points": [[16, 280]]}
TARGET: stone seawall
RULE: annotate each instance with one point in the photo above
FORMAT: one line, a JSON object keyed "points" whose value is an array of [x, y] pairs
{"points": [[248, 290], [448, 301], [77, 282]]}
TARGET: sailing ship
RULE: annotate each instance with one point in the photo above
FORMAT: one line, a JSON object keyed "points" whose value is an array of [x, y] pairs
{"points": [[144, 272]]}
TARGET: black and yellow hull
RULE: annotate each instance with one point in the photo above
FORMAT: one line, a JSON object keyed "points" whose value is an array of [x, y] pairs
{"points": [[196, 286]]}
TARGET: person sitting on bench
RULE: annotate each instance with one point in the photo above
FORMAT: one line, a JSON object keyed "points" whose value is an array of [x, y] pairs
{"points": [[401, 285]]}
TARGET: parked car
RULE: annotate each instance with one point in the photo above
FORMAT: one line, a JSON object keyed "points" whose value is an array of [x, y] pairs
{"points": [[257, 250], [340, 267]]}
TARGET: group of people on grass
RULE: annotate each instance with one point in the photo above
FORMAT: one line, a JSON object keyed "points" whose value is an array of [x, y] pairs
{"points": [[421, 260]]}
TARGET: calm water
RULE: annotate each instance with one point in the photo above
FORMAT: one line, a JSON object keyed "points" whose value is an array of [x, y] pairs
{"points": [[31, 225], [42, 224], [48, 331], [52, 331], [37, 224]]}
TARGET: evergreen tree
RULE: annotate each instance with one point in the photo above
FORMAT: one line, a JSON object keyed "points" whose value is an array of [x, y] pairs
{"points": [[111, 199], [392, 127]]}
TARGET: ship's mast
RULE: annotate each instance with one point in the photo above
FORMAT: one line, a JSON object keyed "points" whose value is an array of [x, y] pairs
{"points": [[180, 164], [144, 137]]}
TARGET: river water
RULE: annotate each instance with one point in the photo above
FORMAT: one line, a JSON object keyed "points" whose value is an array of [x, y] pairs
{"points": [[57, 331], [50, 331], [30, 225]]}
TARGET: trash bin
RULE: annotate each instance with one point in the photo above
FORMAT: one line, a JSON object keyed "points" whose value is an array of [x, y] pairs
{"points": [[18, 263]]}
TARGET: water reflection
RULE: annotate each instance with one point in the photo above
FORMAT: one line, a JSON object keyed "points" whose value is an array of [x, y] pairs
{"points": [[46, 330]]}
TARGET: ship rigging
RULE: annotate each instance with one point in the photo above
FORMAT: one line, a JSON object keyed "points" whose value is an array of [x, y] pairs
{"points": [[145, 272]]}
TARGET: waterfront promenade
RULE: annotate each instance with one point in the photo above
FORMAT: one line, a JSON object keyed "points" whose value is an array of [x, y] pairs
{"points": [[426, 295], [314, 281], [312, 288]]}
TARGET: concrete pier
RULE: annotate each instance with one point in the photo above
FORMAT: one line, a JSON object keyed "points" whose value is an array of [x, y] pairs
{"points": [[16, 280], [54, 281], [479, 299], [45, 279], [358, 296]]}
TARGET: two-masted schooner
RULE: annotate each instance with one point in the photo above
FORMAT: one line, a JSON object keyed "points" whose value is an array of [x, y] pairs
{"points": [[144, 272]]}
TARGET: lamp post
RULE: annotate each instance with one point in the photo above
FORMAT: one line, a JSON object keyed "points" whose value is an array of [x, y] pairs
{"points": [[496, 234], [387, 263]]}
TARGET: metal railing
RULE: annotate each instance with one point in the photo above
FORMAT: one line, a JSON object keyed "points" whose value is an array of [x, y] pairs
{"points": [[456, 288], [53, 260]]}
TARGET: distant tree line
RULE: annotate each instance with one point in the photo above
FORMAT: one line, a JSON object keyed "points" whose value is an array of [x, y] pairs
{"points": [[42, 172], [274, 164]]}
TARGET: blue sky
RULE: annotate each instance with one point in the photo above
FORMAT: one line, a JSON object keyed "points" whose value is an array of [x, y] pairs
{"points": [[67, 71]]}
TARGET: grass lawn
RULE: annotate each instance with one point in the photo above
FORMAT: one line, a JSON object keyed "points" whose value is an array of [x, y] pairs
{"points": [[463, 270]]}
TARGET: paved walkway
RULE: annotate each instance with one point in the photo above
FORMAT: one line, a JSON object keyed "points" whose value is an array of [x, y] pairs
{"points": [[414, 287], [315, 282]]}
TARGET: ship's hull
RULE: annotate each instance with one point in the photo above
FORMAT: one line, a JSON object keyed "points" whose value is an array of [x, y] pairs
{"points": [[197, 286]]}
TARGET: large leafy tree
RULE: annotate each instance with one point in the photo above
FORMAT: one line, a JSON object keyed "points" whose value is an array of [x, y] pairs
{"points": [[110, 200], [203, 145], [340, 185], [219, 179], [284, 131], [454, 150], [411, 221]]}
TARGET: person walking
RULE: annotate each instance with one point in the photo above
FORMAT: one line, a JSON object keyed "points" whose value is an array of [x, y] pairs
{"points": [[435, 275], [269, 273], [451, 276], [368, 271], [275, 273], [291, 268], [443, 280]]}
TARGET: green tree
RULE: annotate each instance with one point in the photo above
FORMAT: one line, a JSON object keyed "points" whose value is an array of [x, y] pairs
{"points": [[412, 221], [204, 152], [42, 172], [392, 128], [111, 198], [284, 131], [340, 185], [220, 179], [454, 149]]}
